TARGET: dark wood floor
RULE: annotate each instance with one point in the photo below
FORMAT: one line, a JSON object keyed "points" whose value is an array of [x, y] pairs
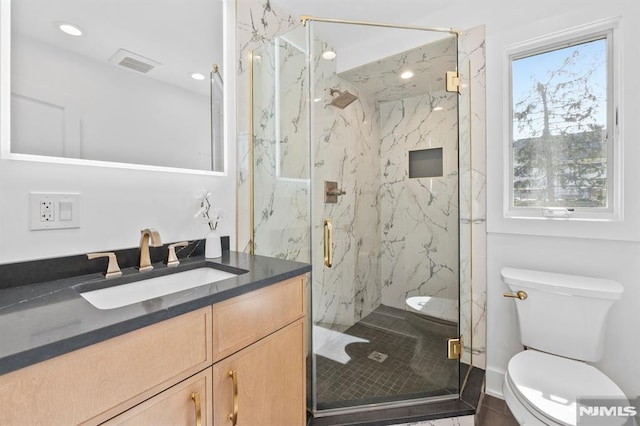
{"points": [[494, 412]]}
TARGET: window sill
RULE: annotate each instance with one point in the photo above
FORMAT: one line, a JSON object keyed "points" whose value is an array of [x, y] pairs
{"points": [[573, 216]]}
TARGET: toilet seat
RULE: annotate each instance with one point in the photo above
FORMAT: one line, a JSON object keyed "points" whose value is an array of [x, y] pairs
{"points": [[548, 385]]}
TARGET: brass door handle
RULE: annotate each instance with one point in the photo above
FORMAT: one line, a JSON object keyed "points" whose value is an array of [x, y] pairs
{"points": [[195, 397], [234, 414], [328, 243], [519, 295]]}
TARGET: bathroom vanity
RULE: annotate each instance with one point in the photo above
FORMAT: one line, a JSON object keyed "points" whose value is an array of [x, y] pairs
{"points": [[219, 354]]}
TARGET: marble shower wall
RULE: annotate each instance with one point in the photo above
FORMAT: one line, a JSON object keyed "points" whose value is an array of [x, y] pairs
{"points": [[258, 22], [419, 216], [345, 149], [281, 153], [473, 208]]}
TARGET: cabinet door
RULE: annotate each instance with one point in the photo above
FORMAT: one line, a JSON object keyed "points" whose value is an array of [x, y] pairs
{"points": [[188, 403], [265, 382]]}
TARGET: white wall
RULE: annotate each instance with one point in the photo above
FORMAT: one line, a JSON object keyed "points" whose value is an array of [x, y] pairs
{"points": [[566, 249], [115, 202], [115, 205]]}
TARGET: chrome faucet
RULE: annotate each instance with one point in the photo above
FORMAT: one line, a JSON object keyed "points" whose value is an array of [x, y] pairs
{"points": [[149, 238]]}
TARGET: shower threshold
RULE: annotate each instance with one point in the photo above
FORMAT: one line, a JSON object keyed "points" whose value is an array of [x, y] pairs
{"points": [[415, 411]]}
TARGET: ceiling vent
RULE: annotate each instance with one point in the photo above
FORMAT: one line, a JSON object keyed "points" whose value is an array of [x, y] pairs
{"points": [[133, 61]]}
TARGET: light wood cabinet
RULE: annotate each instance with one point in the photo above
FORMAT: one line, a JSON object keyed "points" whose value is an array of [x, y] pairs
{"points": [[148, 376], [259, 339], [264, 383], [189, 403], [92, 384], [245, 319]]}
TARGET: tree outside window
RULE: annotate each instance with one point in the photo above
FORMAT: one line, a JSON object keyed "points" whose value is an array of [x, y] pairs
{"points": [[559, 134]]}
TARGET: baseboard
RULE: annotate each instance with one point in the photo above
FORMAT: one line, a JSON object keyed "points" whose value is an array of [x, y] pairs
{"points": [[494, 378]]}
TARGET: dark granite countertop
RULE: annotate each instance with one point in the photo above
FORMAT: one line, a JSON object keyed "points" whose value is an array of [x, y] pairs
{"points": [[39, 321]]}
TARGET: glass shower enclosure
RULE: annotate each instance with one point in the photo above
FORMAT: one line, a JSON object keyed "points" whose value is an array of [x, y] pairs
{"points": [[359, 169]]}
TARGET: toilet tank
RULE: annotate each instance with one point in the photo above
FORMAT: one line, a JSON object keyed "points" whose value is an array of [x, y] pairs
{"points": [[563, 314]]}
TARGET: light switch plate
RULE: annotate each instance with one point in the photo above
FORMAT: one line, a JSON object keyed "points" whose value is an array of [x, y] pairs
{"points": [[53, 211]]}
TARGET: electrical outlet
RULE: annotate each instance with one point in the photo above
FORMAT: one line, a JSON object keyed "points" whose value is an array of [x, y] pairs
{"points": [[47, 211], [53, 211]]}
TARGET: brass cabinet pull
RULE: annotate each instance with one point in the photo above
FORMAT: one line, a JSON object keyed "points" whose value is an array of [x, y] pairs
{"points": [[234, 415], [519, 295], [195, 397], [328, 243]]}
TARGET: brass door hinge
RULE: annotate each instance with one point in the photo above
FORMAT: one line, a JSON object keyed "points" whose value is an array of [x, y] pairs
{"points": [[453, 81], [454, 348]]}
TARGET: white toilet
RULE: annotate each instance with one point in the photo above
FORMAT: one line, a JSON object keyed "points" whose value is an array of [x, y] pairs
{"points": [[561, 323]]}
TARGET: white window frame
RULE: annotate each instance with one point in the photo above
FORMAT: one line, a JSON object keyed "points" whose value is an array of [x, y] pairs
{"points": [[613, 212]]}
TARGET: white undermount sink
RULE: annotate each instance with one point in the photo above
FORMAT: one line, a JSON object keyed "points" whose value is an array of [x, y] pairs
{"points": [[150, 288]]}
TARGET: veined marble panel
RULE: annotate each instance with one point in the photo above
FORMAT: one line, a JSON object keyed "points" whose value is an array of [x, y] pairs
{"points": [[291, 107], [473, 288], [419, 216], [258, 22], [281, 189], [429, 64], [345, 149]]}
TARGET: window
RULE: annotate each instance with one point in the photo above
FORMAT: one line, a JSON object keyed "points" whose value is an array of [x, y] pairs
{"points": [[562, 128]]}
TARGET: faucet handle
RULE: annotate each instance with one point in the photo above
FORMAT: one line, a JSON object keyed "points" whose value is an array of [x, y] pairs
{"points": [[113, 270], [172, 260]]}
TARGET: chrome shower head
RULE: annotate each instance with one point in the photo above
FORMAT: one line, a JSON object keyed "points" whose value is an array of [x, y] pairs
{"points": [[343, 99]]}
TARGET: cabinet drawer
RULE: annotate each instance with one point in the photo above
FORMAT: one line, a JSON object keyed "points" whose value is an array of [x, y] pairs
{"points": [[176, 406], [240, 321], [95, 383]]}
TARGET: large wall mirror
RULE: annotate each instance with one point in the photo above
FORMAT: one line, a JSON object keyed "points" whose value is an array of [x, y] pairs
{"points": [[118, 81]]}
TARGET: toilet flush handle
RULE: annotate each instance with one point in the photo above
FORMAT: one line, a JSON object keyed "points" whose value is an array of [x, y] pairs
{"points": [[519, 295]]}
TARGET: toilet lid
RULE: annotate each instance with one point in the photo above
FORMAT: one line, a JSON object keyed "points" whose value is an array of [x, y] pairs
{"points": [[550, 384]]}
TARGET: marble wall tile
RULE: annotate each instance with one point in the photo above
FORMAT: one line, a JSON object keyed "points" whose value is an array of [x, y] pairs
{"points": [[347, 144], [345, 150], [419, 216], [473, 288], [281, 165], [257, 23], [429, 64]]}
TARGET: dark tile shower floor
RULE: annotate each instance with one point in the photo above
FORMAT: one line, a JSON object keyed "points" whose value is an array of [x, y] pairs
{"points": [[415, 365]]}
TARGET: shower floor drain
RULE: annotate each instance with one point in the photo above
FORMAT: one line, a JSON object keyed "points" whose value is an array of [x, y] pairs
{"points": [[378, 356]]}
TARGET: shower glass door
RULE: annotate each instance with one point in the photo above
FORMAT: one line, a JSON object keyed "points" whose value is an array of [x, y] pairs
{"points": [[382, 313], [358, 168]]}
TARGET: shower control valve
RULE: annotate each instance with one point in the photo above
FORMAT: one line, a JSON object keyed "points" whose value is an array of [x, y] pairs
{"points": [[331, 192]]}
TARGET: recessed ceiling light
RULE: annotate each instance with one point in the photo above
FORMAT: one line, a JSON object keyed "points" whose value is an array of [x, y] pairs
{"points": [[317, 99], [438, 108], [67, 28], [197, 76], [406, 75], [329, 55]]}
